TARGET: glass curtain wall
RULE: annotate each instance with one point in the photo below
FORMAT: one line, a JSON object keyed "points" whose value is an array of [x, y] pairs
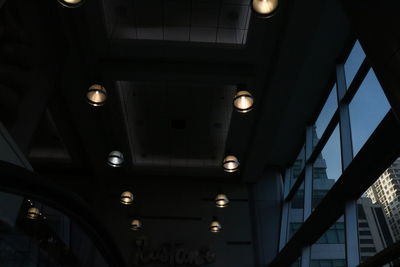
{"points": [[352, 110]]}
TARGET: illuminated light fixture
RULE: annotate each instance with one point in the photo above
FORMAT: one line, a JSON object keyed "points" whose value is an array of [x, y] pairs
{"points": [[230, 164], [71, 3], [96, 95], [126, 198], [264, 8], [115, 159], [215, 226], [243, 101], [33, 213], [136, 225], [221, 200]]}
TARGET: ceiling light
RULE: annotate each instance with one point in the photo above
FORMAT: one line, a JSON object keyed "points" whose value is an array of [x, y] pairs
{"points": [[115, 159], [96, 95], [126, 198], [243, 101], [33, 213], [221, 200], [136, 225], [215, 226], [71, 3], [230, 163], [264, 8]]}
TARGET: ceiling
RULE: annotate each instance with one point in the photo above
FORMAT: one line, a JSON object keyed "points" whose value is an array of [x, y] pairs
{"points": [[215, 22], [176, 125], [171, 69]]}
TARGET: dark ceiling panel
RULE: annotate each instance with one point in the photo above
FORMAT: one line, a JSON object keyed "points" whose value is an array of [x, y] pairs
{"points": [[176, 125]]}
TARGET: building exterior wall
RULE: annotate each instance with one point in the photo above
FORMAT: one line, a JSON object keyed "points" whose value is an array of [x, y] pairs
{"points": [[386, 192]]}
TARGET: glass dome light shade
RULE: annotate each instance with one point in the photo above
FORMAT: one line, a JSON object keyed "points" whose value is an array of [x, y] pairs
{"points": [[221, 201], [215, 226], [230, 163], [126, 198], [243, 101], [33, 213], [71, 3], [264, 8], [96, 95], [136, 225], [115, 159]]}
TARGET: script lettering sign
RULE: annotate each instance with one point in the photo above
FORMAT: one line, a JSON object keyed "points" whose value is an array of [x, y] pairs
{"points": [[171, 255]]}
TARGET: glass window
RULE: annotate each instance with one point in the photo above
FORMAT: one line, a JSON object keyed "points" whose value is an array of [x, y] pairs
{"points": [[335, 235], [330, 249], [367, 110], [328, 263], [298, 166], [353, 62], [325, 116], [296, 212], [328, 166]]}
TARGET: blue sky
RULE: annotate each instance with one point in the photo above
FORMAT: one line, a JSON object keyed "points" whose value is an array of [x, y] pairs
{"points": [[367, 109]]}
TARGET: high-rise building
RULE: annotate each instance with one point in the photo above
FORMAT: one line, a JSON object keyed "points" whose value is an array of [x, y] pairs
{"points": [[374, 231], [386, 192]]}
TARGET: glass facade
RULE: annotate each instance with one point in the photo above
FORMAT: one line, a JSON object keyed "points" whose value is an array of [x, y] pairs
{"points": [[327, 168], [337, 135], [325, 116], [353, 63], [367, 110]]}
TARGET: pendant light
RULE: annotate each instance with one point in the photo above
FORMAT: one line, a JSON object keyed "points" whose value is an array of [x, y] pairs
{"points": [[230, 163], [243, 101], [115, 159], [221, 200], [126, 198], [96, 95], [264, 8], [71, 3], [215, 226], [33, 213], [136, 224]]}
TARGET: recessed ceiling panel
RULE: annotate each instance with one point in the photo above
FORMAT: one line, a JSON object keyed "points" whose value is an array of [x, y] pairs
{"points": [[205, 21], [175, 125]]}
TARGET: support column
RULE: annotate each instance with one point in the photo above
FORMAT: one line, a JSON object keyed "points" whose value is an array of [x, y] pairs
{"points": [[266, 199]]}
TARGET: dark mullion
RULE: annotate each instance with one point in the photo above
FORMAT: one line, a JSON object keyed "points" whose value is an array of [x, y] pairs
{"points": [[296, 186], [356, 83], [324, 138]]}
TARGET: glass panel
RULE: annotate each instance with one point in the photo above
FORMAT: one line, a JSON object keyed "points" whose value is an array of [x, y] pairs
{"points": [[330, 249], [335, 235], [33, 234], [298, 166], [379, 213], [328, 263], [296, 212], [325, 116], [327, 168], [367, 110], [353, 62]]}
